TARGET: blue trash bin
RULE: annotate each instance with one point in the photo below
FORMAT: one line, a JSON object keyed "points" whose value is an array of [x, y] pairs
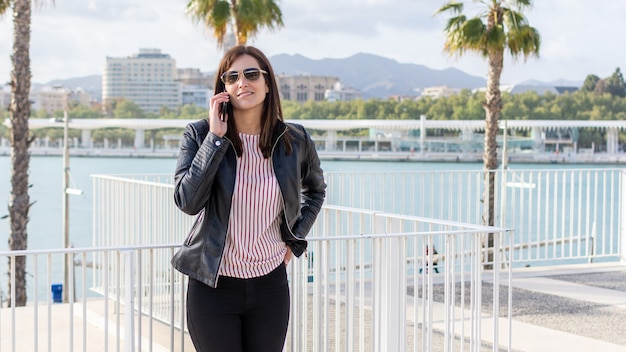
{"points": [[57, 293]]}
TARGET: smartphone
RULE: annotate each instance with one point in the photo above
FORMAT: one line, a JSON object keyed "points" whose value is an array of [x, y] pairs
{"points": [[223, 110]]}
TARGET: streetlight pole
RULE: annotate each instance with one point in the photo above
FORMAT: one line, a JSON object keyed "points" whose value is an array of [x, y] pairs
{"points": [[66, 205]]}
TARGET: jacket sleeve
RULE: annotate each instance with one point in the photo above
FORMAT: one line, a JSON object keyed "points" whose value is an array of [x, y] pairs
{"points": [[313, 188], [200, 154]]}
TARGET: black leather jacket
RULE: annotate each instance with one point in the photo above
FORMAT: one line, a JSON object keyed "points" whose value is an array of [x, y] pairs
{"points": [[204, 185]]}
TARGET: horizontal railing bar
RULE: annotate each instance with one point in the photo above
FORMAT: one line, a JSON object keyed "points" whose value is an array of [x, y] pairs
{"points": [[23, 252], [133, 180], [407, 217], [409, 234]]}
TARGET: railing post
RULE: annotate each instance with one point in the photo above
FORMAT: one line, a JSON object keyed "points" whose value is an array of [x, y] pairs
{"points": [[393, 293], [622, 224], [129, 300]]}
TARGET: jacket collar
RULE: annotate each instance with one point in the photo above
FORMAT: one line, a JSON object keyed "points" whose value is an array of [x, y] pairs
{"points": [[278, 130]]}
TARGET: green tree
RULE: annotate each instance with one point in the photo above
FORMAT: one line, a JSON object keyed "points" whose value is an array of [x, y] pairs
{"points": [[615, 84], [499, 28], [85, 112], [245, 17], [193, 112], [590, 83], [126, 109]]}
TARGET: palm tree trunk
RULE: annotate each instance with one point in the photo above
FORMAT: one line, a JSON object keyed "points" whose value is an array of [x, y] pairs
{"points": [[19, 202], [493, 105]]}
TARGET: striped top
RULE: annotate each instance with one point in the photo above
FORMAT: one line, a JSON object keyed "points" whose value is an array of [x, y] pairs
{"points": [[253, 244]]}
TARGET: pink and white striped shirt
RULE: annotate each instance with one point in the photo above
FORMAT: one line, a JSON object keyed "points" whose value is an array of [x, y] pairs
{"points": [[253, 243]]}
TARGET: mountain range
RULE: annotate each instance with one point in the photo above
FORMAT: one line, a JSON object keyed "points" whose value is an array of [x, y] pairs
{"points": [[375, 76]]}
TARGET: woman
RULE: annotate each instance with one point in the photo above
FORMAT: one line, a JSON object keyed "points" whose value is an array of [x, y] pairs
{"points": [[257, 187]]}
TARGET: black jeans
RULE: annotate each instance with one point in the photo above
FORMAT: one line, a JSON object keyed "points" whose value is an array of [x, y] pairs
{"points": [[240, 315]]}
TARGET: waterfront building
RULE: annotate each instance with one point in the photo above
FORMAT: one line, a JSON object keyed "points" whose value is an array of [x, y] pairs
{"points": [[195, 77], [146, 78], [537, 88], [302, 88], [439, 91], [340, 93], [196, 95], [56, 98]]}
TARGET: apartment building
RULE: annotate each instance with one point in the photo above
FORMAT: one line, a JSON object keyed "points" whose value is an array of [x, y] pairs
{"points": [[147, 78], [49, 98], [57, 98], [304, 88], [196, 87], [195, 77]]}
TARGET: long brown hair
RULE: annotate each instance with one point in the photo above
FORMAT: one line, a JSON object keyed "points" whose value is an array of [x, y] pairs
{"points": [[272, 110]]}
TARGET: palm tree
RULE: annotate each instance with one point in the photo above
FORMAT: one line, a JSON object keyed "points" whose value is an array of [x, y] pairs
{"points": [[501, 27], [246, 17], [19, 109]]}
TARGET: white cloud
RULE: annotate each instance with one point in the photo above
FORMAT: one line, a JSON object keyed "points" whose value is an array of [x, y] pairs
{"points": [[73, 38]]}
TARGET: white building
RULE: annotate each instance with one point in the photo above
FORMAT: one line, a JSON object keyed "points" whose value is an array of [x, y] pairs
{"points": [[56, 98], [147, 79], [340, 93], [196, 95], [439, 91], [302, 88]]}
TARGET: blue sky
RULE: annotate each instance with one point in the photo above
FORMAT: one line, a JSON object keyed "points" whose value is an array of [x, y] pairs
{"points": [[72, 38]]}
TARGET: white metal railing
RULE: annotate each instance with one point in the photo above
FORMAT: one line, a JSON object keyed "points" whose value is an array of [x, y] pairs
{"points": [[115, 203], [367, 285], [559, 216], [109, 320]]}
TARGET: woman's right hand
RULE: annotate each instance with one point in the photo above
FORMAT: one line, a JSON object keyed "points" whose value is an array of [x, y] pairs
{"points": [[216, 125]]}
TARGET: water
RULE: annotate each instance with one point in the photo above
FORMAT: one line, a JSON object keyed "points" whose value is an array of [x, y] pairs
{"points": [[45, 228]]}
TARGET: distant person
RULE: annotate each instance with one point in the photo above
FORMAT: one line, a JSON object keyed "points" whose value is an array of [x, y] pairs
{"points": [[435, 260], [256, 184]]}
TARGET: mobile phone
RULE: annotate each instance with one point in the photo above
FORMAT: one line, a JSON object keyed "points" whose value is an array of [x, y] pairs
{"points": [[223, 110]]}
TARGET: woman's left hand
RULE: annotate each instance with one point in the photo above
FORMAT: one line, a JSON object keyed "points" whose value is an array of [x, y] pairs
{"points": [[288, 255]]}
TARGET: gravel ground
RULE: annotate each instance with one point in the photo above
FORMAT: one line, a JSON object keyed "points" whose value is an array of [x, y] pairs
{"points": [[593, 320], [615, 280]]}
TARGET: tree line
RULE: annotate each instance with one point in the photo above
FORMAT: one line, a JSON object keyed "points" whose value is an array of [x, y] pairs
{"points": [[597, 99]]}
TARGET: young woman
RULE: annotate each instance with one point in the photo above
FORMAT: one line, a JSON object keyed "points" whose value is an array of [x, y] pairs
{"points": [[257, 187]]}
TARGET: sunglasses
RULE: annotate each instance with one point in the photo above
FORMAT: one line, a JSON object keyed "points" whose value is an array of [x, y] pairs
{"points": [[251, 74]]}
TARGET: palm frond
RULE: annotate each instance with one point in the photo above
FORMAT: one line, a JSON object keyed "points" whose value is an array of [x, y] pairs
{"points": [[525, 41], [4, 5], [454, 7], [252, 15], [214, 14], [514, 19], [495, 40], [274, 16], [454, 23], [469, 35], [198, 10], [523, 4]]}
